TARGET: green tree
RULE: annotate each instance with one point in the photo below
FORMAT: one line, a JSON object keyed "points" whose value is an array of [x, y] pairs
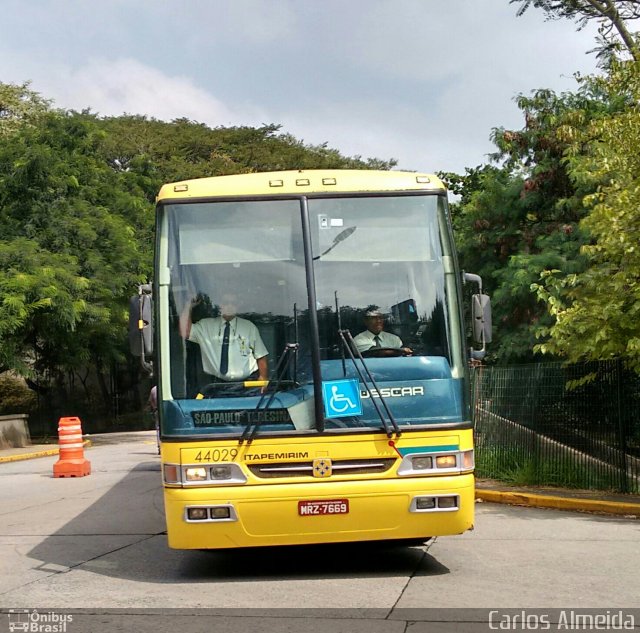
{"points": [[521, 216], [19, 106], [71, 249], [597, 310], [154, 152]]}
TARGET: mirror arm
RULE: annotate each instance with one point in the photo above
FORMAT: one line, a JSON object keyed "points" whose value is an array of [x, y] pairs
{"points": [[472, 278]]}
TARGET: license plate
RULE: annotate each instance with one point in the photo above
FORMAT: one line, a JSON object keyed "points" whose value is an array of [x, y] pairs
{"points": [[324, 507]]}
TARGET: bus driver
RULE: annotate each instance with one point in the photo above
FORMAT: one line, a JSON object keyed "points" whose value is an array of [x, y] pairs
{"points": [[374, 337], [231, 347]]}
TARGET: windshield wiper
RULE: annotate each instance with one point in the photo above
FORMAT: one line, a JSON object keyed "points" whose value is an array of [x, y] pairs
{"points": [[251, 429], [390, 426], [343, 235]]}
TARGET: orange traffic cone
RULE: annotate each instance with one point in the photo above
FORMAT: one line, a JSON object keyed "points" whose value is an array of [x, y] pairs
{"points": [[72, 462]]}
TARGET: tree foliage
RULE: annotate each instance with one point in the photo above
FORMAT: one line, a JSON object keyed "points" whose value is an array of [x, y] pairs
{"points": [[521, 216], [19, 106], [557, 219], [597, 310], [612, 17]]}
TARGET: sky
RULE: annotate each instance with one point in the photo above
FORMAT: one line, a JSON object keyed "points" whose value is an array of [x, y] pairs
{"points": [[420, 81]]}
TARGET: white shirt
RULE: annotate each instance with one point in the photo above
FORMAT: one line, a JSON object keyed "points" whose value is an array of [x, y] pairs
{"points": [[364, 341], [245, 346]]}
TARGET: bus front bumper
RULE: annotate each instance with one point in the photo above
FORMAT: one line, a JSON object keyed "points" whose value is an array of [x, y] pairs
{"points": [[319, 512]]}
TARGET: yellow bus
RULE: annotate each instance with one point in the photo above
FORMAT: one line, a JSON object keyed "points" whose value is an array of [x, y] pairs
{"points": [[352, 423]]}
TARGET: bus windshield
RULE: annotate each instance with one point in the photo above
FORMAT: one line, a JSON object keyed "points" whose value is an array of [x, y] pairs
{"points": [[377, 267]]}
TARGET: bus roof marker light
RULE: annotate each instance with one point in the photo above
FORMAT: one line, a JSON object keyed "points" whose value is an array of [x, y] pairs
{"points": [[178, 188], [423, 179], [329, 181], [276, 183], [302, 182]]}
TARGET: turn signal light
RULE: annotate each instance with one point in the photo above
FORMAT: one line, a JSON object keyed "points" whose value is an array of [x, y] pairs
{"points": [[171, 474]]}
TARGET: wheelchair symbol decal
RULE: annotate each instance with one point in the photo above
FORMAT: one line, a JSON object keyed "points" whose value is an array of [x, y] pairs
{"points": [[341, 398]]}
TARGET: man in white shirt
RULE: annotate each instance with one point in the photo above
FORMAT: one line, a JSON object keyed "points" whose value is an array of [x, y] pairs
{"points": [[374, 337], [231, 347]]}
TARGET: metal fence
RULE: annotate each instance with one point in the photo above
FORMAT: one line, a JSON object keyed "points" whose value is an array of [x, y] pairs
{"points": [[114, 401], [552, 424]]}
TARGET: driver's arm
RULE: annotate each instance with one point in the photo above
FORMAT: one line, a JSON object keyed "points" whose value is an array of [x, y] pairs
{"points": [[184, 323], [263, 368]]}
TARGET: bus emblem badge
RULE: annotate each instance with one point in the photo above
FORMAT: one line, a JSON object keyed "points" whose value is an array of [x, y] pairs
{"points": [[322, 467]]}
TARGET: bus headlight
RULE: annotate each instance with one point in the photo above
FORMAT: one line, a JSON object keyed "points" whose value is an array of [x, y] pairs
{"points": [[448, 503], [197, 514], [422, 463], [221, 512], [451, 462], [210, 514], [425, 503], [435, 503], [195, 474], [212, 474], [446, 461], [221, 472]]}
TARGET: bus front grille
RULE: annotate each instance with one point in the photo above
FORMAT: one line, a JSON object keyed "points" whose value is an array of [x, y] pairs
{"points": [[305, 469]]}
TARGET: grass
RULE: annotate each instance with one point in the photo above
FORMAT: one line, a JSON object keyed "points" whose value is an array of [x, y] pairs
{"points": [[511, 465]]}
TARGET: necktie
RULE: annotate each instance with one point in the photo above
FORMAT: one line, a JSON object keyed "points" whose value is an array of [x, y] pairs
{"points": [[224, 359], [376, 340]]}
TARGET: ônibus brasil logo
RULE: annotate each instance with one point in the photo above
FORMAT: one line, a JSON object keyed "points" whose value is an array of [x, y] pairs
{"points": [[31, 621]]}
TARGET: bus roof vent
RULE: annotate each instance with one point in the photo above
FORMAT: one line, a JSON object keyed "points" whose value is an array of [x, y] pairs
{"points": [[180, 188], [422, 179]]}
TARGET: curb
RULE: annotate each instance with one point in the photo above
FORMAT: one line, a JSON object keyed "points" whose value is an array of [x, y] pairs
{"points": [[559, 503], [48, 453]]}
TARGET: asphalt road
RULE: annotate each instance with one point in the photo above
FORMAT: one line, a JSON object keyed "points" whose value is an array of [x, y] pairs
{"points": [[94, 548]]}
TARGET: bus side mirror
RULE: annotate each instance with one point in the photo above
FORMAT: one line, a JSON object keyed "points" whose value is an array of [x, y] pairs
{"points": [[481, 315], [140, 325]]}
